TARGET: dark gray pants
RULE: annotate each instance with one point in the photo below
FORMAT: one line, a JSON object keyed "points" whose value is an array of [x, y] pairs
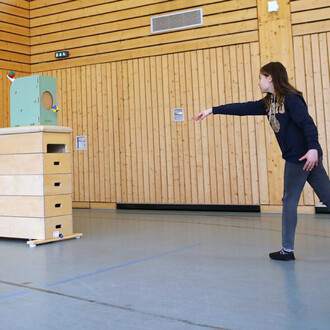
{"points": [[294, 180]]}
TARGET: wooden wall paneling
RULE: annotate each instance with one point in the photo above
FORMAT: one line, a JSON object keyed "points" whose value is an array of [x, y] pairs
{"points": [[21, 40], [200, 105], [124, 10], [134, 28], [252, 175], [73, 123], [182, 129], [260, 123], [117, 172], [154, 143], [11, 50], [244, 138], [18, 3], [175, 128], [305, 5], [313, 15], [151, 187], [237, 125], [155, 133], [197, 131], [144, 191], [4, 106], [230, 127], [70, 92], [109, 155], [213, 184], [10, 29], [40, 7], [320, 119], [325, 61], [217, 174], [90, 133], [167, 131], [94, 127], [103, 38], [191, 127], [78, 118], [100, 131], [222, 71], [14, 36], [73, 10], [138, 82], [14, 66], [45, 3], [161, 132], [132, 119], [222, 40], [121, 132], [308, 28], [85, 118], [127, 133], [106, 110], [14, 15], [302, 81], [131, 42]]}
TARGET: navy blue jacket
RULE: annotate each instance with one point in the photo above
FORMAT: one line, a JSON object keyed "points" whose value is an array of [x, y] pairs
{"points": [[297, 133]]}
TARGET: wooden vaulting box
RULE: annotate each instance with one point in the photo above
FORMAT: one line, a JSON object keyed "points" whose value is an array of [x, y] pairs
{"points": [[35, 182]]}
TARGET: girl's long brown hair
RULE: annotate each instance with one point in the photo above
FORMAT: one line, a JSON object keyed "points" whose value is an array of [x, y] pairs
{"points": [[280, 79]]}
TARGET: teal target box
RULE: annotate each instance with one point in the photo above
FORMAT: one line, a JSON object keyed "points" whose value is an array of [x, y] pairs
{"points": [[31, 101]]}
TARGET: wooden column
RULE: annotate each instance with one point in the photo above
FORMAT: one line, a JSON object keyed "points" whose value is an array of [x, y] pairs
{"points": [[275, 40]]}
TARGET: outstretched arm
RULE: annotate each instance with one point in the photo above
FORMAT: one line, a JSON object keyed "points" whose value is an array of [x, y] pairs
{"points": [[239, 109]]}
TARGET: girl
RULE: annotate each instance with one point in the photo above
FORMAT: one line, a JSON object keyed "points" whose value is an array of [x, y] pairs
{"points": [[297, 136]]}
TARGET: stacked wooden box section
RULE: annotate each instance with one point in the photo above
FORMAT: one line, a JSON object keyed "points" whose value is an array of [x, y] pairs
{"points": [[35, 182]]}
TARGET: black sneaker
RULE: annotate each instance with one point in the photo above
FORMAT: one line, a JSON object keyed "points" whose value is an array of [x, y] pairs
{"points": [[282, 255]]}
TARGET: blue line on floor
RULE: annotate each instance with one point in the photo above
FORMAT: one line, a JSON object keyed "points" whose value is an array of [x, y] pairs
{"points": [[123, 265], [20, 293]]}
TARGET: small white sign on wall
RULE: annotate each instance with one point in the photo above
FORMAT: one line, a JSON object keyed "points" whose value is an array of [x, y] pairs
{"points": [[178, 115], [81, 142]]}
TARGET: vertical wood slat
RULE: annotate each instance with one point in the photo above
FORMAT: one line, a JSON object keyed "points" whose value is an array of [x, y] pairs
{"points": [[204, 172], [217, 174], [151, 188], [230, 126], [223, 129], [155, 130], [212, 182], [198, 134], [175, 130], [251, 145], [191, 128]]}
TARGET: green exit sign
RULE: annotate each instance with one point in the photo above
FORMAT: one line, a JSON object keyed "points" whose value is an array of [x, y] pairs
{"points": [[62, 54]]}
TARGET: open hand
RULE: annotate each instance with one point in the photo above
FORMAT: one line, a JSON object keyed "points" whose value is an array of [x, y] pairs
{"points": [[312, 159], [202, 114]]}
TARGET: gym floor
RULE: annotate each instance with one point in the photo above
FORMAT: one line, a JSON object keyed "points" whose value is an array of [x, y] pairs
{"points": [[156, 270]]}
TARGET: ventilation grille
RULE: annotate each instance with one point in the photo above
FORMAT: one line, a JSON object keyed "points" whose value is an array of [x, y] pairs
{"points": [[181, 20]]}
